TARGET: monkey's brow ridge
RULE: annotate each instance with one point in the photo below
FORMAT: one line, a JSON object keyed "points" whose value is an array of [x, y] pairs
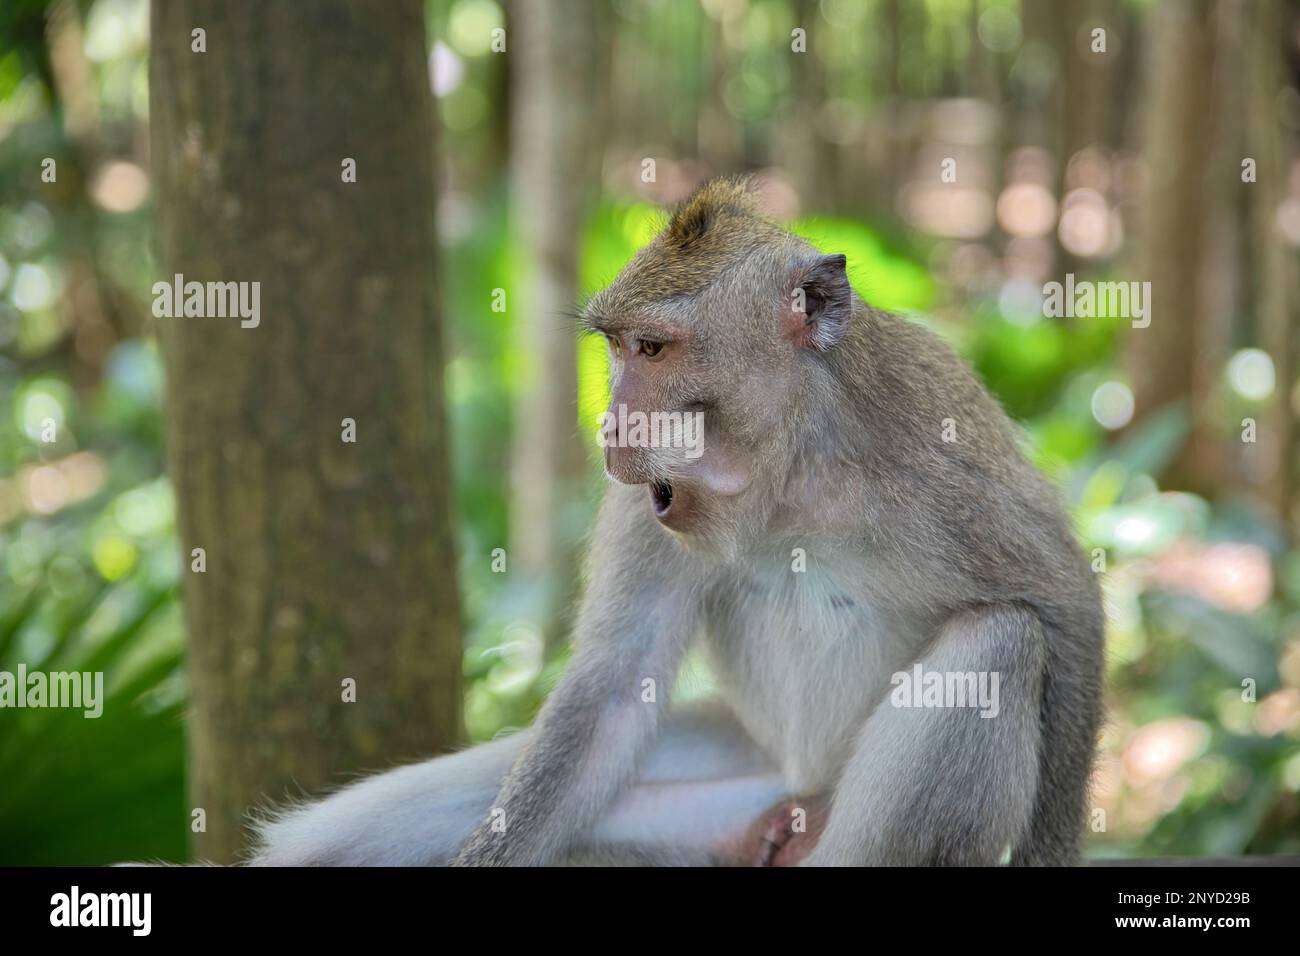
{"points": [[633, 320]]}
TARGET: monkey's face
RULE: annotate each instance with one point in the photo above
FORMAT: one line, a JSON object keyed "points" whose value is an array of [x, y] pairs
{"points": [[660, 429], [709, 332], [703, 399]]}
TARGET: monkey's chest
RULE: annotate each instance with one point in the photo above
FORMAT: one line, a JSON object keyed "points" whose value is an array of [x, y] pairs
{"points": [[803, 663]]}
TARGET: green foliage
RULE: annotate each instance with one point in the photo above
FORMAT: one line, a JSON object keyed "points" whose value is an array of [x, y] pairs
{"points": [[96, 790], [889, 280]]}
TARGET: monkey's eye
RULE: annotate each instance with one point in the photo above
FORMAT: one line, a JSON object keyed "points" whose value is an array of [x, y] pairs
{"points": [[613, 342], [649, 349]]}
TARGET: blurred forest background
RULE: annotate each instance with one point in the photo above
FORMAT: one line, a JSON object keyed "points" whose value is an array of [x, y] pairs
{"points": [[1163, 148]]}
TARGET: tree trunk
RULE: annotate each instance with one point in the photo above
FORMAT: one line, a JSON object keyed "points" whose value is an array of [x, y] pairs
{"points": [[325, 560], [1272, 275], [721, 134], [810, 157], [552, 162], [1087, 76], [1170, 360]]}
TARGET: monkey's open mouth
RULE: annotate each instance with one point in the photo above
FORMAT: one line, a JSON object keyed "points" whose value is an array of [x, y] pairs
{"points": [[661, 493]]}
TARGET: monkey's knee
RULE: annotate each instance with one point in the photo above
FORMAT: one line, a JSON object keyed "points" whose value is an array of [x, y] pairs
{"points": [[992, 663], [946, 770]]}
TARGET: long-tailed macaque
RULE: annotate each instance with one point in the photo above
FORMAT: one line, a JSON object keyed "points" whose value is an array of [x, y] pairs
{"points": [[907, 639]]}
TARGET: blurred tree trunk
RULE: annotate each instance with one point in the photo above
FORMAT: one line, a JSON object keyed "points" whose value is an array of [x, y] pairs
{"points": [[498, 85], [96, 317], [721, 136], [552, 165], [1081, 92], [1178, 355], [325, 560], [1272, 274], [810, 156], [1042, 102], [1223, 286], [894, 137], [983, 78], [1123, 122], [1087, 75]]}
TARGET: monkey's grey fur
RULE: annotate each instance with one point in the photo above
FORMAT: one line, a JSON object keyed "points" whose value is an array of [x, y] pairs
{"points": [[825, 438]]}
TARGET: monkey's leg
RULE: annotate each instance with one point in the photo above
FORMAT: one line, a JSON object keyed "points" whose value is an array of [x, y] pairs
{"points": [[699, 788], [943, 784]]}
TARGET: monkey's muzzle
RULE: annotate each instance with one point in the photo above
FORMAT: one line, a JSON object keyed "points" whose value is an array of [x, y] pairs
{"points": [[627, 467]]}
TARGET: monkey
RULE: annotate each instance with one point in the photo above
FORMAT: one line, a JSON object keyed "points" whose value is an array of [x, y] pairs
{"points": [[861, 539]]}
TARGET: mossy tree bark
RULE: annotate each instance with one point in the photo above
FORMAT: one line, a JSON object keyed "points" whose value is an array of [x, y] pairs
{"points": [[325, 559]]}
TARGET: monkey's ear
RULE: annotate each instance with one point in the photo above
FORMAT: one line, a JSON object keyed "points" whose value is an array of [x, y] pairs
{"points": [[820, 303]]}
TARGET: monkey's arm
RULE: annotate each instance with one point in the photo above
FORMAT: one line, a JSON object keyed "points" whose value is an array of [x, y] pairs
{"points": [[945, 785], [633, 628]]}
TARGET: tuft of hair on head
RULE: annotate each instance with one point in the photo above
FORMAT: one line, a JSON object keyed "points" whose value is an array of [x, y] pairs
{"points": [[713, 203]]}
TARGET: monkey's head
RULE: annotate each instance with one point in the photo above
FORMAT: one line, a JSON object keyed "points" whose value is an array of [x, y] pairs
{"points": [[722, 319]]}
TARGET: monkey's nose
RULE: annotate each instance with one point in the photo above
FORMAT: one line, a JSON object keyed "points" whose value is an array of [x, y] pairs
{"points": [[621, 466]]}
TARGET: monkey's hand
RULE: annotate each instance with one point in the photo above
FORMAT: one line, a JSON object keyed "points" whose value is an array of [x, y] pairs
{"points": [[785, 834]]}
